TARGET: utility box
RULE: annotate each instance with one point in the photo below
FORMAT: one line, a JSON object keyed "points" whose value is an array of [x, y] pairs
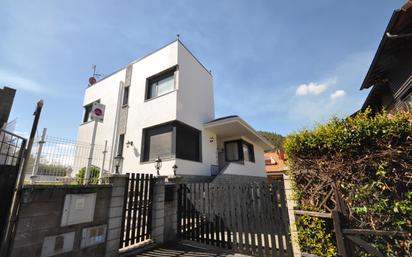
{"points": [[58, 244], [78, 208], [93, 236]]}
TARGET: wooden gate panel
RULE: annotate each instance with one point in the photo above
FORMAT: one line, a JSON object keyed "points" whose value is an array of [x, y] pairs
{"points": [[250, 219], [137, 212]]}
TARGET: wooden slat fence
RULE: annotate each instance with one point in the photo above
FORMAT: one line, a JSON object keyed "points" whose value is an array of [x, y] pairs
{"points": [[137, 212], [249, 218]]}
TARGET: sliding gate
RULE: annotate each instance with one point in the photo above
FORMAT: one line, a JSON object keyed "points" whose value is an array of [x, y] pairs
{"points": [[137, 212], [250, 218]]}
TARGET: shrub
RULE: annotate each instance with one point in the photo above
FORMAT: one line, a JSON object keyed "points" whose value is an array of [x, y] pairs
{"points": [[369, 158], [315, 236], [94, 175]]}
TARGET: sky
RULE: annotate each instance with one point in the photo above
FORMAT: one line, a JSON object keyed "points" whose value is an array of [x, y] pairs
{"points": [[280, 65]]}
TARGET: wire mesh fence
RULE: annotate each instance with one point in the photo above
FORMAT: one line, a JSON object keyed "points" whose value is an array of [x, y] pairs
{"points": [[59, 160]]}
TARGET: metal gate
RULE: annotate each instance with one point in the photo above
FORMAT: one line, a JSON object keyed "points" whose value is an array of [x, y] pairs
{"points": [[249, 218], [11, 155], [137, 212]]}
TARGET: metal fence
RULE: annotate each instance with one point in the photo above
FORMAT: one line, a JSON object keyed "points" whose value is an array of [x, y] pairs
{"points": [[55, 159]]}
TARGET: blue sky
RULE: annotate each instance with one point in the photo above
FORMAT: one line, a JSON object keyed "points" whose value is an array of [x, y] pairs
{"points": [[281, 65]]}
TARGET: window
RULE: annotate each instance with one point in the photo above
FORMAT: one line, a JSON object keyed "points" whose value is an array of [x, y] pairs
{"points": [[157, 142], [121, 145], [87, 111], [161, 84], [239, 150], [171, 140], [188, 143], [126, 95], [232, 151]]}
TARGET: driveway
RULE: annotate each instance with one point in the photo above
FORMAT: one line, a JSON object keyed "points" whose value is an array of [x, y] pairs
{"points": [[187, 250]]}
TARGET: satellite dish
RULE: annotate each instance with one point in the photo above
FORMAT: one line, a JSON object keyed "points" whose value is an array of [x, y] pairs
{"points": [[92, 80]]}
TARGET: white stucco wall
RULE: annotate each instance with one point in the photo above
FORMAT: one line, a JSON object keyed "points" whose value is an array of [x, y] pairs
{"points": [[195, 106]]}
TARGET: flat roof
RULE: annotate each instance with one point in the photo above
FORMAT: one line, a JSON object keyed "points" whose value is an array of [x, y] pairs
{"points": [[153, 52], [234, 126]]}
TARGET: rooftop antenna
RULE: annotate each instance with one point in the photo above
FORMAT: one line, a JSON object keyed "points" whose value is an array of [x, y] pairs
{"points": [[93, 79], [94, 72]]}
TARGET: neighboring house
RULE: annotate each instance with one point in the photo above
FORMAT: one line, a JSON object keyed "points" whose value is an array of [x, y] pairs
{"points": [[390, 74], [6, 102], [162, 105], [275, 164]]}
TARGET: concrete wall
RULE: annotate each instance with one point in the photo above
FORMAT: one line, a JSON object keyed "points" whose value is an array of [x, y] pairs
{"points": [[41, 216]]}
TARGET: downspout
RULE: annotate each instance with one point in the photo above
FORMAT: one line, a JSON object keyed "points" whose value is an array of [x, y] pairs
{"points": [[113, 152]]}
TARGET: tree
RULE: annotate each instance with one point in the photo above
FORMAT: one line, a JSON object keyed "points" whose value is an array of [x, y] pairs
{"points": [[275, 139]]}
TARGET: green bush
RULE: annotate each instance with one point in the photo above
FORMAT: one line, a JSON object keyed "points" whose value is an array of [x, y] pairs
{"points": [[94, 175], [369, 158], [315, 236]]}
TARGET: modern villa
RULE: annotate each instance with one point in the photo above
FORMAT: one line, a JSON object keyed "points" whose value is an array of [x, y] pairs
{"points": [[161, 106]]}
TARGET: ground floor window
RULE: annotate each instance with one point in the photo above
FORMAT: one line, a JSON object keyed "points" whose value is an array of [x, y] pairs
{"points": [[171, 140], [239, 150]]}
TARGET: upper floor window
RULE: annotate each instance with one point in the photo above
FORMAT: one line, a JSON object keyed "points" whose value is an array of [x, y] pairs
{"points": [[87, 111], [161, 84], [239, 150], [126, 95]]}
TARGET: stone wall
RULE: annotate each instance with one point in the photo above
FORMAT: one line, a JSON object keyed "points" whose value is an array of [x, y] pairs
{"points": [[47, 225]]}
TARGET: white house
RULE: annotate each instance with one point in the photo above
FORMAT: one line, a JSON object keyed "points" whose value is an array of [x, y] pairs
{"points": [[162, 106]]}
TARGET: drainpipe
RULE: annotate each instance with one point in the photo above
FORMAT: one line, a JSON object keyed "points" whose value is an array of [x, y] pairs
{"points": [[116, 127]]}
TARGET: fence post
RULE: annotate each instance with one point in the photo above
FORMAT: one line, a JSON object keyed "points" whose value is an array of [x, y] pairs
{"points": [[104, 158], [89, 162], [38, 156], [158, 213], [339, 218]]}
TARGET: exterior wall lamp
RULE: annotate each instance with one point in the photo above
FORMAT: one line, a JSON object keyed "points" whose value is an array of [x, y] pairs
{"points": [[158, 165], [118, 161], [174, 167]]}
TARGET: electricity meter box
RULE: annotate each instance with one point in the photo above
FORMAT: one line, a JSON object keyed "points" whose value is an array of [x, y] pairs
{"points": [[78, 208]]}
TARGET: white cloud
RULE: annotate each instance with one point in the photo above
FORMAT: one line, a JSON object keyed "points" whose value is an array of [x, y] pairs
{"points": [[19, 82], [337, 94], [311, 88]]}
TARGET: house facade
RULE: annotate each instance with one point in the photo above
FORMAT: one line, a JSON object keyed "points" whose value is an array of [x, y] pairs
{"points": [[161, 106], [390, 74]]}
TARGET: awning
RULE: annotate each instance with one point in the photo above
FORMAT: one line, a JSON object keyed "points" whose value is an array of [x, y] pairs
{"points": [[233, 127]]}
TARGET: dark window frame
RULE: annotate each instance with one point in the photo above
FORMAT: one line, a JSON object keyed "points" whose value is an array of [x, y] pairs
{"points": [[157, 77], [172, 126], [126, 93], [240, 144], [120, 146]]}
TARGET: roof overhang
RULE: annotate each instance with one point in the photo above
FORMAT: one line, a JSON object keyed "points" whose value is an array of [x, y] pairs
{"points": [[397, 34], [234, 126]]}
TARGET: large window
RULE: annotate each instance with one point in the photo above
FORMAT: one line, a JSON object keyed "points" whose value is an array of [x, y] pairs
{"points": [[239, 150], [171, 140], [161, 84]]}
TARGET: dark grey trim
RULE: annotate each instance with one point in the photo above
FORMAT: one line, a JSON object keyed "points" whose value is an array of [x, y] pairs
{"points": [[159, 76], [240, 143]]}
